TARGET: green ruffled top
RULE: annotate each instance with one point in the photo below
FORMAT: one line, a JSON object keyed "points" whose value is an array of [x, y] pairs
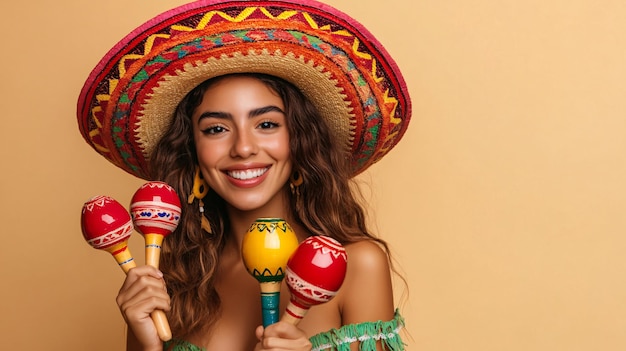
{"points": [[367, 333]]}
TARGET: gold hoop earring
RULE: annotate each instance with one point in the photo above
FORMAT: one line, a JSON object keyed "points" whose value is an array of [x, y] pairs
{"points": [[295, 180], [199, 191]]}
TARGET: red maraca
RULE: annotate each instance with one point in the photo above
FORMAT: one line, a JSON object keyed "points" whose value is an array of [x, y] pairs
{"points": [[155, 209], [106, 225], [314, 274]]}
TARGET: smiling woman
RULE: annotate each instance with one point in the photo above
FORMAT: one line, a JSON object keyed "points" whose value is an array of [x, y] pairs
{"points": [[242, 141], [264, 111]]}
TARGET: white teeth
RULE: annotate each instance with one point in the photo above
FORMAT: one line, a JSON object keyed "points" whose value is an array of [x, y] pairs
{"points": [[247, 174]]}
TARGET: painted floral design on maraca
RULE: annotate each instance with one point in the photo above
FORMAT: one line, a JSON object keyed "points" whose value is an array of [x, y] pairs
{"points": [[155, 208]]}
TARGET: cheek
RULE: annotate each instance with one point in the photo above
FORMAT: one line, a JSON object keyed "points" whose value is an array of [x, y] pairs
{"points": [[279, 147], [208, 153]]}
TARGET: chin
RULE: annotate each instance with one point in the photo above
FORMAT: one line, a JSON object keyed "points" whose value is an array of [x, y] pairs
{"points": [[247, 206]]}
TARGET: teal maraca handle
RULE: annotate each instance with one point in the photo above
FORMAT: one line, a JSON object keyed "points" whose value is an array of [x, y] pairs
{"points": [[269, 306]]}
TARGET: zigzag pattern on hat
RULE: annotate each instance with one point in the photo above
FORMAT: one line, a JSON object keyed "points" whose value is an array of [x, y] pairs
{"points": [[119, 82]]}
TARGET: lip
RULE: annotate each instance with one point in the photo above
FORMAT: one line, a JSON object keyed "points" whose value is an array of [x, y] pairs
{"points": [[255, 175]]}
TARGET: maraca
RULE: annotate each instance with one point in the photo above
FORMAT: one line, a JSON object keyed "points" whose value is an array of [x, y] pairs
{"points": [[266, 247], [314, 274], [155, 210], [106, 225]]}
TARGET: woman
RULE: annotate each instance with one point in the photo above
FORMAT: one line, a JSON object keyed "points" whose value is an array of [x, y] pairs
{"points": [[274, 117]]}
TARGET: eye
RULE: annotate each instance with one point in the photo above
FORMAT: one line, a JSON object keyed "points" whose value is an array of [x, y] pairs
{"points": [[211, 130], [268, 125]]}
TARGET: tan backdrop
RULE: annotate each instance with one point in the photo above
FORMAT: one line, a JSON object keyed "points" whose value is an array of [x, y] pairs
{"points": [[504, 204]]}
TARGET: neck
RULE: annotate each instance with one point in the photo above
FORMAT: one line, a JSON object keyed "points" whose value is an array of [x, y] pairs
{"points": [[240, 221]]}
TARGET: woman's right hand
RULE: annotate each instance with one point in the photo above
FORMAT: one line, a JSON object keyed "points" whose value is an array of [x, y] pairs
{"points": [[281, 336], [143, 292]]}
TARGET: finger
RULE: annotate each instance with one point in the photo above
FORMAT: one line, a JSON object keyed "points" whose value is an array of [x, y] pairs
{"points": [[259, 332], [140, 307], [286, 336], [138, 310], [141, 280], [276, 344], [145, 295], [283, 330], [146, 289], [135, 272]]}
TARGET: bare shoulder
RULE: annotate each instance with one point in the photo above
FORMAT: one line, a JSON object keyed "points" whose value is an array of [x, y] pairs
{"points": [[366, 294], [367, 256]]}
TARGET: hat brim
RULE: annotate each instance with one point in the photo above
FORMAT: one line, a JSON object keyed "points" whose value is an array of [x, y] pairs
{"points": [[129, 98]]}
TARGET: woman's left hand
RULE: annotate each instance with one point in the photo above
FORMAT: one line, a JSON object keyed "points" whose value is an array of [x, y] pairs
{"points": [[281, 336]]}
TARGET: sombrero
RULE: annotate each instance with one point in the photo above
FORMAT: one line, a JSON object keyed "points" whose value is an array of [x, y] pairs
{"points": [[129, 98]]}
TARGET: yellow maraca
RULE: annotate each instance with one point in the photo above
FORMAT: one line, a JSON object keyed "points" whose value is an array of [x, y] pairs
{"points": [[266, 247]]}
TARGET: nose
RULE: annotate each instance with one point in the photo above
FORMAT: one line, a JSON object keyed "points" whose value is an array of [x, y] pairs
{"points": [[244, 144]]}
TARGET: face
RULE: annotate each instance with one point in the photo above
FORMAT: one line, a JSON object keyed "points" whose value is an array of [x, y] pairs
{"points": [[242, 143]]}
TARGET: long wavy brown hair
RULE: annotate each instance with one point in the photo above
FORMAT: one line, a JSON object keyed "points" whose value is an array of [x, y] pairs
{"points": [[329, 202]]}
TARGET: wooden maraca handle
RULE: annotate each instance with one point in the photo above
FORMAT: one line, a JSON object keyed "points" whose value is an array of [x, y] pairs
{"points": [[270, 302], [158, 317], [294, 313], [153, 253], [153, 249], [123, 257], [161, 324]]}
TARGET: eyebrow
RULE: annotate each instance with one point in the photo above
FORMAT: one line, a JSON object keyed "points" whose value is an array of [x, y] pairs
{"points": [[253, 113]]}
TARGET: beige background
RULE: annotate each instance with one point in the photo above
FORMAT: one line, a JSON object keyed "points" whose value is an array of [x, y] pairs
{"points": [[504, 204]]}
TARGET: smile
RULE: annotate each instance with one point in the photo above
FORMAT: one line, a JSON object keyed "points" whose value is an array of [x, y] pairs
{"points": [[247, 174]]}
